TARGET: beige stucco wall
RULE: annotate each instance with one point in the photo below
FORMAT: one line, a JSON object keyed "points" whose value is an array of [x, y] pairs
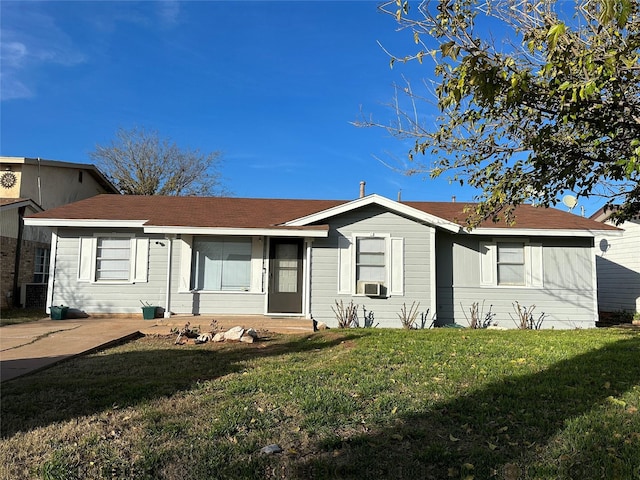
{"points": [[57, 186], [48, 185]]}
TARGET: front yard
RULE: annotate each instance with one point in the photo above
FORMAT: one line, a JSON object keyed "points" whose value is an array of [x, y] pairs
{"points": [[357, 403]]}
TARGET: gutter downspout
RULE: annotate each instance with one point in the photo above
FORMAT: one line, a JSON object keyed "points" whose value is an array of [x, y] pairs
{"points": [[306, 286], [594, 281], [39, 185], [433, 259], [167, 305], [16, 266]]}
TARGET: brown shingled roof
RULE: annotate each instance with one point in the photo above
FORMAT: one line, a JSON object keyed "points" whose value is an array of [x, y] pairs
{"points": [[526, 216], [190, 211], [233, 212]]}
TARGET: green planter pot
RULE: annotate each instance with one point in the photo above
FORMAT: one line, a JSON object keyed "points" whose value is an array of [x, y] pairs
{"points": [[149, 313], [58, 312]]}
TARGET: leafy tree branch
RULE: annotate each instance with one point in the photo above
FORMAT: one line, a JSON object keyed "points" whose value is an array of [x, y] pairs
{"points": [[555, 107]]}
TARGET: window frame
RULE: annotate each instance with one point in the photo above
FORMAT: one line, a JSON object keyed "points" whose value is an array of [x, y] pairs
{"points": [[523, 264], [222, 239], [44, 264], [96, 259], [385, 261], [533, 263], [347, 283], [138, 259]]}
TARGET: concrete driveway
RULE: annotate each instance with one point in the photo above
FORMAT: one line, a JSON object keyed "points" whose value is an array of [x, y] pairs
{"points": [[29, 347]]}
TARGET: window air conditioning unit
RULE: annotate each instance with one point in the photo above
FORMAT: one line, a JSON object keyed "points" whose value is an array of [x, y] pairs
{"points": [[372, 289]]}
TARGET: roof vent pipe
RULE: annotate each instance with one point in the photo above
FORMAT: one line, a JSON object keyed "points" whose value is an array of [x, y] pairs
{"points": [[453, 199], [362, 184], [399, 196]]}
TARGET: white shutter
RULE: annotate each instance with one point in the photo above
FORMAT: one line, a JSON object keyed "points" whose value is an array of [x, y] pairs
{"points": [[185, 263], [345, 285], [85, 258], [534, 265], [397, 266], [141, 259], [257, 253], [487, 263]]}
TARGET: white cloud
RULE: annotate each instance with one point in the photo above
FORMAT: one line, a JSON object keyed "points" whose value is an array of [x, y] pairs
{"points": [[29, 40]]}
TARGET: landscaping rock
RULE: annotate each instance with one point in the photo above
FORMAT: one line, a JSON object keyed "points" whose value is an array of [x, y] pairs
{"points": [[247, 339], [322, 326], [203, 338], [252, 333], [234, 334], [271, 449], [218, 337]]}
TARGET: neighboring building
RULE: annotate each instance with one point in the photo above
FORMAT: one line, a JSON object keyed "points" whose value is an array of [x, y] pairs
{"points": [[29, 185], [618, 265], [274, 257]]}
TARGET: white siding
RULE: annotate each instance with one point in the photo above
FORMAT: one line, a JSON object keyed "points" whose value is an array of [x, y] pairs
{"points": [[566, 295], [618, 267], [103, 297], [325, 273]]}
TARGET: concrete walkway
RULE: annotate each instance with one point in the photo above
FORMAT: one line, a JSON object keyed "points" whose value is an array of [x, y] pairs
{"points": [[29, 347]]}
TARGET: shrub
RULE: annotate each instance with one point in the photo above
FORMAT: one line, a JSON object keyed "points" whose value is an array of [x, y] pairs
{"points": [[525, 319]]}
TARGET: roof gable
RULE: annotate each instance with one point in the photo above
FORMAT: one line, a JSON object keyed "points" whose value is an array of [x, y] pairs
{"points": [[397, 207]]}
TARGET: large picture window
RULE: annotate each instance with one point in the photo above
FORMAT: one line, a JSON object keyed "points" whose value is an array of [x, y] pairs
{"points": [[221, 264]]}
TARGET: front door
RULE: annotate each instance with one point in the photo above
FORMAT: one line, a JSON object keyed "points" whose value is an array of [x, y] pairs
{"points": [[285, 276]]}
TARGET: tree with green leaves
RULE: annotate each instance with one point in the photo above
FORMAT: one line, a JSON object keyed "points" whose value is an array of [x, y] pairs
{"points": [[553, 107], [140, 162]]}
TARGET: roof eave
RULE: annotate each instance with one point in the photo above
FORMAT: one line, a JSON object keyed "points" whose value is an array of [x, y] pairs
{"points": [[542, 232], [86, 223], [26, 202], [243, 231]]}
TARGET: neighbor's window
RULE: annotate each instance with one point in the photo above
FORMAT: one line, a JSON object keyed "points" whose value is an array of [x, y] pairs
{"points": [[370, 259], [511, 264], [41, 270], [113, 258], [221, 264]]}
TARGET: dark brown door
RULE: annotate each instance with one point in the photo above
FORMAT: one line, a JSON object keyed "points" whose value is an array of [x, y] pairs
{"points": [[285, 276]]}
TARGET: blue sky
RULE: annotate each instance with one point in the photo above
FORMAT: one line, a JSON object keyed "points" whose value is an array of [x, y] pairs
{"points": [[274, 85]]}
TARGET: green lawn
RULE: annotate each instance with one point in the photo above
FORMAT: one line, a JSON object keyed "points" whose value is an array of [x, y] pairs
{"points": [[365, 403]]}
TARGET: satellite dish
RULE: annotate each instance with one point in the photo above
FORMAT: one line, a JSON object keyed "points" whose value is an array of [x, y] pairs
{"points": [[570, 201], [604, 245]]}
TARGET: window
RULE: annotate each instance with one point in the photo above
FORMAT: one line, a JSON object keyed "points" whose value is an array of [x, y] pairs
{"points": [[113, 258], [511, 263], [41, 270], [221, 264], [370, 260], [375, 258]]}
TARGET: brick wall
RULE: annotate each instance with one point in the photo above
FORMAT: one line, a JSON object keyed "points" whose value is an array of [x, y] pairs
{"points": [[7, 264]]}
